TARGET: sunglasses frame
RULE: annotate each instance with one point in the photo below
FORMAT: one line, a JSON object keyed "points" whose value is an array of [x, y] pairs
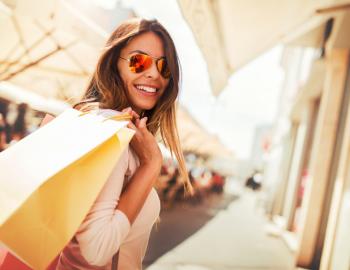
{"points": [[153, 58]]}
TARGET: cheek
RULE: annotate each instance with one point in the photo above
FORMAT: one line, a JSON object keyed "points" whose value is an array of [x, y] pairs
{"points": [[124, 73], [129, 77], [121, 72]]}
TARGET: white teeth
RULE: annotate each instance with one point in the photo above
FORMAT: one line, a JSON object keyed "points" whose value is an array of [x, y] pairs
{"points": [[146, 88]]}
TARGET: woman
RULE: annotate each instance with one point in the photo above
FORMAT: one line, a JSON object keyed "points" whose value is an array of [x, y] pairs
{"points": [[2, 133], [5, 127], [138, 73]]}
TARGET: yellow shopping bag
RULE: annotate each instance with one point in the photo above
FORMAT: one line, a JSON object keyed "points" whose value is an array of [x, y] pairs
{"points": [[50, 179]]}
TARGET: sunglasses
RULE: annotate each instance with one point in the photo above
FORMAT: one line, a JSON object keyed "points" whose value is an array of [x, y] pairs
{"points": [[141, 62]]}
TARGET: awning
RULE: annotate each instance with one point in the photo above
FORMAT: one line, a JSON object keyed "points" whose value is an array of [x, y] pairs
{"points": [[231, 33]]}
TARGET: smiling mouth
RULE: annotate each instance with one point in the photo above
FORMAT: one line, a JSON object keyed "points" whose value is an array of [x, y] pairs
{"points": [[147, 89]]}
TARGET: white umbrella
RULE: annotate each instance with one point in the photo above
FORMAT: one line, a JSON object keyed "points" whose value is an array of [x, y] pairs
{"points": [[231, 33], [50, 48], [17, 94]]}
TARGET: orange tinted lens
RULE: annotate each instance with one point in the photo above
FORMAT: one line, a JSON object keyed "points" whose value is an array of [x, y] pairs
{"points": [[139, 62], [163, 68]]}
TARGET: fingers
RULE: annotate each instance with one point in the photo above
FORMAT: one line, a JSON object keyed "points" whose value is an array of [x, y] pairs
{"points": [[135, 115], [130, 111], [131, 125], [142, 123]]}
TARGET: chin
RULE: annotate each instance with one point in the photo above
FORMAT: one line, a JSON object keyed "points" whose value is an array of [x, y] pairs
{"points": [[147, 107]]}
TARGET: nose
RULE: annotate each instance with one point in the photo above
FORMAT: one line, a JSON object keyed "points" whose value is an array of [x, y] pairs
{"points": [[152, 71]]}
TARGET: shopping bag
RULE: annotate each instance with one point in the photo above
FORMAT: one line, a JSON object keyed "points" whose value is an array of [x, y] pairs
{"points": [[50, 179], [10, 262]]}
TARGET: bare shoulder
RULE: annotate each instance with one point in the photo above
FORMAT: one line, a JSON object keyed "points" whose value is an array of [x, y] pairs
{"points": [[46, 119]]}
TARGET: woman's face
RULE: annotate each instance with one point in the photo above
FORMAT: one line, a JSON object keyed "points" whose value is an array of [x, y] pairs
{"points": [[143, 89]]}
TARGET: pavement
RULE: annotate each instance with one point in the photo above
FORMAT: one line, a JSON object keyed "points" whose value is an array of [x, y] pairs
{"points": [[233, 238]]}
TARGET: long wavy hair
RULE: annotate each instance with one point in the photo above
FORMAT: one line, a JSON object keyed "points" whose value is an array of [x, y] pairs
{"points": [[106, 88]]}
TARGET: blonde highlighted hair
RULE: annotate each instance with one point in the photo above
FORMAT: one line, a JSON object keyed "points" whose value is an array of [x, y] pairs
{"points": [[106, 88]]}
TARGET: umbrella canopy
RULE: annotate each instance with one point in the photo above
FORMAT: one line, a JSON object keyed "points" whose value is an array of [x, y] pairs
{"points": [[231, 33], [49, 47], [18, 95]]}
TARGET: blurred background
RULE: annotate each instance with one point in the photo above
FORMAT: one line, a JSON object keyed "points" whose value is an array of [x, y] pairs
{"points": [[263, 117]]}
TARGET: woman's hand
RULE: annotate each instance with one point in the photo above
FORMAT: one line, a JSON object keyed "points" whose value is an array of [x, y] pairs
{"points": [[144, 143]]}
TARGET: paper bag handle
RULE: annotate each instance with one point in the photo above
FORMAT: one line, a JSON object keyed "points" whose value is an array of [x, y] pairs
{"points": [[119, 117]]}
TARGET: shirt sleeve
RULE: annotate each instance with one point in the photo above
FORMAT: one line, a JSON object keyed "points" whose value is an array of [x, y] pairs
{"points": [[105, 227]]}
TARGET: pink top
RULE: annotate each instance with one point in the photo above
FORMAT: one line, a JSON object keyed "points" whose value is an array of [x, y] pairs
{"points": [[106, 230]]}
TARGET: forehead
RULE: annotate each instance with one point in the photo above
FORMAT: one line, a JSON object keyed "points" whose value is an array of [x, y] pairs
{"points": [[147, 42]]}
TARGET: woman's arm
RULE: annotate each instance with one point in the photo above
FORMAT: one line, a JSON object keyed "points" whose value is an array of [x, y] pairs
{"points": [[105, 228], [135, 194], [146, 147]]}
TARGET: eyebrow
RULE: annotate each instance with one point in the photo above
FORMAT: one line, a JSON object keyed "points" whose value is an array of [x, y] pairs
{"points": [[138, 51]]}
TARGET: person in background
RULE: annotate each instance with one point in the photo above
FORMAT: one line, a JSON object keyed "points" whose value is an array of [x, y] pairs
{"points": [[254, 181], [2, 133], [218, 182], [5, 127], [19, 127]]}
